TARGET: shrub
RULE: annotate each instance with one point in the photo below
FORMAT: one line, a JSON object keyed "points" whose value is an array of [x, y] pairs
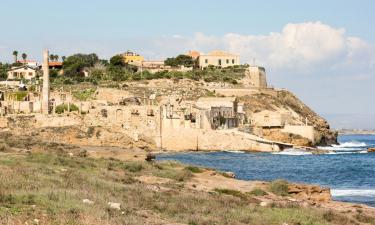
{"points": [[133, 167], [194, 169], [258, 192], [64, 107], [232, 192], [4, 147], [279, 187], [174, 174], [84, 95]]}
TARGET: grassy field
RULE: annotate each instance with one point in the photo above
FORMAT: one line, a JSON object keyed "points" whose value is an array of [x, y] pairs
{"points": [[41, 188]]}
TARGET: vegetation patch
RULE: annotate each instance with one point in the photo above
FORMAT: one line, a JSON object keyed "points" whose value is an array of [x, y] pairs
{"points": [[84, 95], [133, 167], [258, 192], [194, 169], [279, 187], [232, 192], [66, 108], [18, 95]]}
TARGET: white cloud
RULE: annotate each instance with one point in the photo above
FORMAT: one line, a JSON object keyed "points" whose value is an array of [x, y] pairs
{"points": [[302, 46]]}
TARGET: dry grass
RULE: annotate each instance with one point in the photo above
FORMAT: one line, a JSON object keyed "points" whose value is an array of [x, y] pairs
{"points": [[51, 187]]}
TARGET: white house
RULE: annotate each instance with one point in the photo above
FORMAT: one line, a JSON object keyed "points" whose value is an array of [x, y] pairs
{"points": [[219, 59], [22, 72]]}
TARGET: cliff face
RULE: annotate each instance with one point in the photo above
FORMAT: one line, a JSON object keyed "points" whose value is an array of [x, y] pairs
{"points": [[284, 101]]}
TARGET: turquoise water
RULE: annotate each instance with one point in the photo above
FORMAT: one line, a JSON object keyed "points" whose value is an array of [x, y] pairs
{"points": [[348, 170]]}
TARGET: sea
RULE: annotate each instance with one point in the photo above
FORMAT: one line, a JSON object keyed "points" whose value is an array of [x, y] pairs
{"points": [[348, 170]]}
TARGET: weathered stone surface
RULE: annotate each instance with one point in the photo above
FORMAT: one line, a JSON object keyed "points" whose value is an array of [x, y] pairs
{"points": [[371, 150], [114, 205], [310, 192]]}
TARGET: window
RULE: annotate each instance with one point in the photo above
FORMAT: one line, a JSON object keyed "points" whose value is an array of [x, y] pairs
{"points": [[30, 74], [232, 61], [219, 62], [227, 61], [206, 61]]}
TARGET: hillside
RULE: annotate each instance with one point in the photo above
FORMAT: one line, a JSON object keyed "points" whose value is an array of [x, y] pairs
{"points": [[285, 101], [63, 185]]}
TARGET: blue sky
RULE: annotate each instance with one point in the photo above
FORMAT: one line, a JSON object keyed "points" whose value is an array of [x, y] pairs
{"points": [[322, 50]]}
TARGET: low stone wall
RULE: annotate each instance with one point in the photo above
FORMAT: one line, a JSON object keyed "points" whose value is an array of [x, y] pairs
{"points": [[304, 131], [185, 139], [56, 121], [240, 92]]}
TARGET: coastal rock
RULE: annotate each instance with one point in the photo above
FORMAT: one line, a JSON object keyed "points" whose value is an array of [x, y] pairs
{"points": [[114, 205], [310, 192], [87, 201], [263, 204], [371, 150], [229, 174]]}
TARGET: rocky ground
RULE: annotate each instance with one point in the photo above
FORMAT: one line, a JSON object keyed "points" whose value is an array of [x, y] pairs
{"points": [[54, 183], [287, 102]]}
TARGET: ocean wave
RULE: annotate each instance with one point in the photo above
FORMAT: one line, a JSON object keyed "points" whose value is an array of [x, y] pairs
{"points": [[351, 144], [340, 149], [352, 192], [293, 151], [234, 151], [345, 152]]}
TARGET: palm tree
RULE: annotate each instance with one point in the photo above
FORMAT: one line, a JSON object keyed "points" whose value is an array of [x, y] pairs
{"points": [[63, 58], [51, 57], [15, 54], [57, 58], [24, 57]]}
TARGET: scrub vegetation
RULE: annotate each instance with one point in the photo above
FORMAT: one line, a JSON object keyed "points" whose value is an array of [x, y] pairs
{"points": [[50, 188]]}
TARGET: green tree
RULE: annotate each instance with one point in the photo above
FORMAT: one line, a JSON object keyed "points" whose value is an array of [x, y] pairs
{"points": [[185, 60], [171, 62], [117, 60], [15, 54], [3, 71], [180, 60], [74, 65], [24, 57], [63, 58]]}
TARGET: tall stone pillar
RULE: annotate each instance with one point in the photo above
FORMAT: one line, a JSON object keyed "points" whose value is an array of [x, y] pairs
{"points": [[45, 93]]}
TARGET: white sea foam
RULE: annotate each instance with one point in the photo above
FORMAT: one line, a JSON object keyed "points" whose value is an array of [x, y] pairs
{"points": [[342, 153], [233, 151], [352, 192], [351, 144], [346, 147], [339, 149], [293, 151]]}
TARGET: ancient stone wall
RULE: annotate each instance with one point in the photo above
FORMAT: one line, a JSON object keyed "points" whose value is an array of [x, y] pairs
{"points": [[304, 131]]}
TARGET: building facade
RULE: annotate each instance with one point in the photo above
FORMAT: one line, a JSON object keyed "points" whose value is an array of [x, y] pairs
{"points": [[133, 58], [23, 72], [257, 76], [218, 59]]}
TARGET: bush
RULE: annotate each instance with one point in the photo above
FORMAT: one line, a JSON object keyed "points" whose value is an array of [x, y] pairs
{"points": [[194, 169], [64, 107], [84, 95], [133, 167], [258, 192], [4, 147], [234, 193], [279, 187]]}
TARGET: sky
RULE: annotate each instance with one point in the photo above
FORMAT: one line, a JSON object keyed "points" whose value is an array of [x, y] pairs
{"points": [[323, 51]]}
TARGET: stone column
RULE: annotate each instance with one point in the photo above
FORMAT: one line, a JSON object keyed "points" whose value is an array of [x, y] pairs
{"points": [[45, 93]]}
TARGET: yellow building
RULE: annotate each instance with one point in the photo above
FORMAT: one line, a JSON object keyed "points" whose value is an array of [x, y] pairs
{"points": [[133, 58], [219, 59]]}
